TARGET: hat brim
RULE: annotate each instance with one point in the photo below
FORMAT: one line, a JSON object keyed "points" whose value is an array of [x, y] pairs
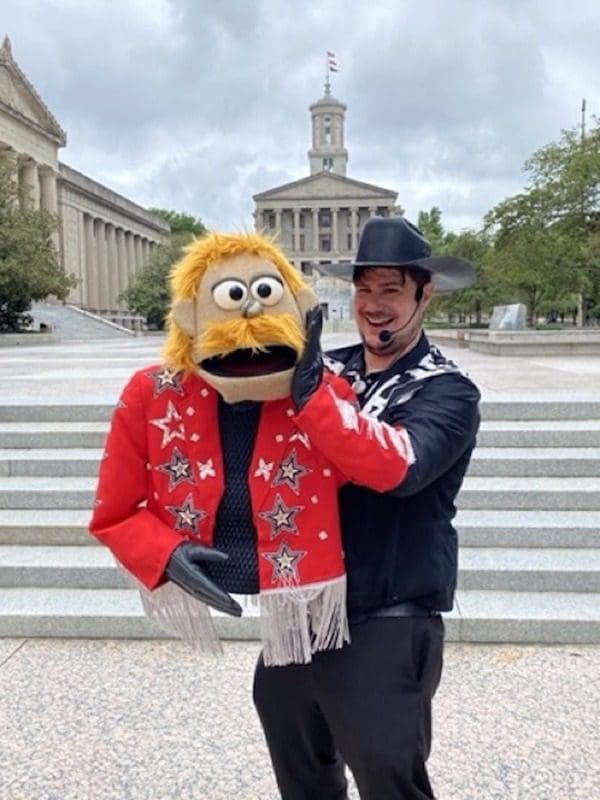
{"points": [[448, 274]]}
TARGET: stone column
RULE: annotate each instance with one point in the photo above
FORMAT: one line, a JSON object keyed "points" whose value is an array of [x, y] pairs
{"points": [[29, 184], [130, 247], [335, 245], [90, 299], [145, 250], [354, 228], [48, 196], [113, 277], [372, 210], [315, 229], [296, 230], [278, 222], [139, 258], [102, 266], [122, 264]]}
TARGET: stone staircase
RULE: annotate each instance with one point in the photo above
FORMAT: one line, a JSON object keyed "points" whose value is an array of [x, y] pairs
{"points": [[528, 520]]}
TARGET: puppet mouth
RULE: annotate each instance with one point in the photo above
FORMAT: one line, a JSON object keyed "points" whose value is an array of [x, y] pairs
{"points": [[245, 362]]}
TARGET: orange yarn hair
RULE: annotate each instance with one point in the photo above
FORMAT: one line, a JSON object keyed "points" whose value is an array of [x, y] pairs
{"points": [[204, 254]]}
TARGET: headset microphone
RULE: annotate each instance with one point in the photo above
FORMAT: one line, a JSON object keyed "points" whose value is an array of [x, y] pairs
{"points": [[385, 335]]}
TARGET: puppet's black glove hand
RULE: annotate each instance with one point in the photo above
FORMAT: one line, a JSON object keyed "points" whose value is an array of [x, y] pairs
{"points": [[309, 369], [184, 569]]}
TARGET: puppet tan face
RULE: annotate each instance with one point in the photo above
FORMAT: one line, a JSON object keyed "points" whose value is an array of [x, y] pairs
{"points": [[248, 328]]}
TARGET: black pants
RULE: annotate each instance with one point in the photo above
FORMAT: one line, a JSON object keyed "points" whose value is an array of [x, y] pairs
{"points": [[367, 705]]}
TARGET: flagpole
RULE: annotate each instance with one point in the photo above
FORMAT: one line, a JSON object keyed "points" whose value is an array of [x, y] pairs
{"points": [[327, 84]]}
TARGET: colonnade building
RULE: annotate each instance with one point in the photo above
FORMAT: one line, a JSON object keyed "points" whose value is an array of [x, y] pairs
{"points": [[318, 219], [103, 238]]}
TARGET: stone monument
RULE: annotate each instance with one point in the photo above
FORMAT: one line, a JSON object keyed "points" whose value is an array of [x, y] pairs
{"points": [[511, 317]]}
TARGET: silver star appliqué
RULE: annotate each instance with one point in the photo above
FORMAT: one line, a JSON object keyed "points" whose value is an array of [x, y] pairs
{"points": [[289, 473], [164, 379], [281, 518], [170, 425], [179, 470], [285, 563], [264, 469], [186, 515], [301, 437], [206, 469]]}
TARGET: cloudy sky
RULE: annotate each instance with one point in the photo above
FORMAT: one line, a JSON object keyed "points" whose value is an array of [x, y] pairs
{"points": [[197, 105]]}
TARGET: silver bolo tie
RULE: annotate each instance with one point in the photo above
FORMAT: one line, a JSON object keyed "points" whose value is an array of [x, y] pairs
{"points": [[358, 386]]}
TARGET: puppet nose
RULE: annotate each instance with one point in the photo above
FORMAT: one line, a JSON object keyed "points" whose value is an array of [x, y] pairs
{"points": [[252, 308]]}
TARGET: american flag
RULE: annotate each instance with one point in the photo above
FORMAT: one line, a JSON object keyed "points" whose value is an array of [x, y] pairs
{"points": [[331, 62]]}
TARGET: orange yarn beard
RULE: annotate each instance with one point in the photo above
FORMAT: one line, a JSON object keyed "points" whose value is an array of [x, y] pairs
{"points": [[255, 333]]}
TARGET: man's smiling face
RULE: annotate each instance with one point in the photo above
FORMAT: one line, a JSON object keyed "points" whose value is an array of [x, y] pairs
{"points": [[384, 299]]}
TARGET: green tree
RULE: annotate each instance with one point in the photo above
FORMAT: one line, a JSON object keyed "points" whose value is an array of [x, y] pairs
{"points": [[469, 244], [430, 225], [544, 251], [29, 267], [148, 293], [180, 222]]}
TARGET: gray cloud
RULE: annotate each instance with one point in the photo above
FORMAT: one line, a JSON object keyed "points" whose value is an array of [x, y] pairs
{"points": [[197, 105]]}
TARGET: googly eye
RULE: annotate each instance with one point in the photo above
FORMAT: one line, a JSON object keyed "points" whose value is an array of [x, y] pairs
{"points": [[267, 290], [230, 294]]}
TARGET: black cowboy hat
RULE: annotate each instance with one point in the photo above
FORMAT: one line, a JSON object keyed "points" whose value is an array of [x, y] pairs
{"points": [[396, 242]]}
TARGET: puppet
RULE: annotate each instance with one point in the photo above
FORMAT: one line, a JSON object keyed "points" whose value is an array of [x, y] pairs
{"points": [[222, 465]]}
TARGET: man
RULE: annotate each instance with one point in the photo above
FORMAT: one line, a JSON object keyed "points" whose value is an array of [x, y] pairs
{"points": [[369, 704]]}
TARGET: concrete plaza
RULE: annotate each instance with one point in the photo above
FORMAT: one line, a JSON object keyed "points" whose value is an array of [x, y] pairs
{"points": [[151, 720], [106, 720], [94, 371]]}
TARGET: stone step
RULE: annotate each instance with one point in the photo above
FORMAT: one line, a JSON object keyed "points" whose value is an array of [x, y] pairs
{"points": [[491, 410], [97, 614], [562, 494], [540, 433], [565, 433], [52, 434], [55, 462], [45, 526], [485, 528], [476, 528], [539, 410], [532, 462], [47, 492], [528, 617], [502, 569], [519, 462], [82, 412], [529, 569], [479, 616]]}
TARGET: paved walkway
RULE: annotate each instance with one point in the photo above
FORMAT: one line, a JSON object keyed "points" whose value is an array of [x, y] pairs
{"points": [[98, 720], [108, 720], [94, 371]]}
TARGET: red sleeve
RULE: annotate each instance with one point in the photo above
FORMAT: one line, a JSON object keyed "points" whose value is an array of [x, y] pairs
{"points": [[367, 452], [140, 541]]}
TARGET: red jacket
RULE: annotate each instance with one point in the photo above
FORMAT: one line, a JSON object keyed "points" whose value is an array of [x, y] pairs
{"points": [[161, 476]]}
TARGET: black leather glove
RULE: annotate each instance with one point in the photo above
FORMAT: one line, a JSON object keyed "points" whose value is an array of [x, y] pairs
{"points": [[183, 568], [309, 369]]}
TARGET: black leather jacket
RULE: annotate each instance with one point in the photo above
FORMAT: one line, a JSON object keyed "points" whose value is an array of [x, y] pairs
{"points": [[401, 545]]}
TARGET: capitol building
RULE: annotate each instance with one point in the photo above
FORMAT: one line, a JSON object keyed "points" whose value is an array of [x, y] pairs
{"points": [[104, 239], [318, 219]]}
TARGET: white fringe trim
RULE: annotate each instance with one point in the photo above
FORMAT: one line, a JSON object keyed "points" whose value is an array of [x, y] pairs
{"points": [[299, 621], [296, 621], [179, 614]]}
